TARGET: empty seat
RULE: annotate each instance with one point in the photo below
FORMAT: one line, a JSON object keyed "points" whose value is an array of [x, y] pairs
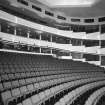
{"points": [[42, 84], [28, 80], [23, 90], [22, 82], [27, 102], [53, 90], [36, 86], [11, 76], [23, 75], [35, 99], [19, 104], [47, 92], [33, 80], [30, 87], [15, 83], [15, 92], [1, 87], [4, 77], [5, 96], [28, 74], [7, 85], [62, 101], [39, 79], [42, 95], [17, 75], [58, 103]]}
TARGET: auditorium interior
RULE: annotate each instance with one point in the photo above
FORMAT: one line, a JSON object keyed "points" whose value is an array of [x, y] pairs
{"points": [[52, 52]]}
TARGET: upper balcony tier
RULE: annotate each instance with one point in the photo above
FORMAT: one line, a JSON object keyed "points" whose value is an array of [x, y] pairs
{"points": [[19, 22], [44, 15]]}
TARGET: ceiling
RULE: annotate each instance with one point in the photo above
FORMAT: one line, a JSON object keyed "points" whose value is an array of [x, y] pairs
{"points": [[77, 8], [69, 3]]}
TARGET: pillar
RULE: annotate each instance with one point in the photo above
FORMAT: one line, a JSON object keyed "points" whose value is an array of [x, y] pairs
{"points": [[40, 37], [51, 38], [100, 42], [0, 27], [15, 31], [28, 34], [40, 50]]}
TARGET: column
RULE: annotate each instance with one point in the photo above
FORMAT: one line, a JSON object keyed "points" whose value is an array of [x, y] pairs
{"points": [[100, 36], [28, 34], [15, 31], [81, 45], [81, 42], [0, 27], [70, 41], [100, 42], [51, 42], [82, 56], [40, 37], [51, 51], [40, 50], [51, 38], [28, 48], [70, 53]]}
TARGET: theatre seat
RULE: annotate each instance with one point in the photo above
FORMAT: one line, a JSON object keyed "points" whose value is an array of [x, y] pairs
{"points": [[19, 104], [71, 96], [27, 102], [38, 78], [15, 92], [35, 99], [5, 96], [94, 97], [1, 87]]}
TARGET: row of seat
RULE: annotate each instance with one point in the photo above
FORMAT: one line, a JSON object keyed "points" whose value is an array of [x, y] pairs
{"points": [[93, 99], [38, 85], [5, 85], [100, 100], [25, 62], [20, 82], [71, 96], [24, 75], [40, 98], [34, 81], [44, 74]]}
